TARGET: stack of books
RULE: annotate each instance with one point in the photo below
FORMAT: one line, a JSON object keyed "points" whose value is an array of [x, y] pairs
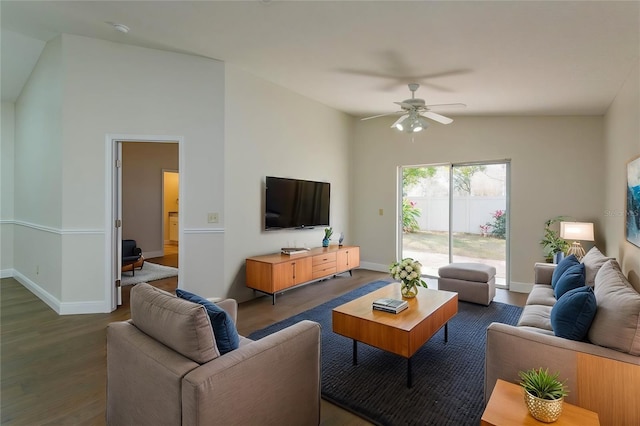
{"points": [[293, 250], [390, 305]]}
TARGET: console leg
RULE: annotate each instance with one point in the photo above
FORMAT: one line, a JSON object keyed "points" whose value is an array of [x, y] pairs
{"points": [[273, 299], [350, 272], [446, 332], [409, 381]]}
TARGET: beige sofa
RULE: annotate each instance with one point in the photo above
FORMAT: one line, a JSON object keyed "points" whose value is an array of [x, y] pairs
{"points": [[600, 378], [163, 368]]}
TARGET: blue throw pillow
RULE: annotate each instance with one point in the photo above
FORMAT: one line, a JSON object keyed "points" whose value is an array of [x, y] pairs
{"points": [[562, 267], [573, 313], [572, 278], [224, 329]]}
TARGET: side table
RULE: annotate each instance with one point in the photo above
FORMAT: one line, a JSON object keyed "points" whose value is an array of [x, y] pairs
{"points": [[506, 407]]}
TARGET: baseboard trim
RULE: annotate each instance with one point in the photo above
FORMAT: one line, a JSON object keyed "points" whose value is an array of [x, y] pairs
{"points": [[520, 287], [378, 267], [7, 273], [61, 308], [75, 308], [152, 254], [42, 294]]}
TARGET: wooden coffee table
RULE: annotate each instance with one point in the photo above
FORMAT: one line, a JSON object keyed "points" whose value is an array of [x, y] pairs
{"points": [[403, 333]]}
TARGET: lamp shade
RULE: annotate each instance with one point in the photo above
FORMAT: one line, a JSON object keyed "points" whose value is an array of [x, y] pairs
{"points": [[575, 231]]}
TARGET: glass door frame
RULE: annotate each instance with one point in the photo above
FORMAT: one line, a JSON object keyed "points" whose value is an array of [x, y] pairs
{"points": [[507, 163]]}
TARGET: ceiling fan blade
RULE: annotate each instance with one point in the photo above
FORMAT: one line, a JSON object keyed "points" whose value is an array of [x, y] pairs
{"points": [[458, 105], [399, 120], [381, 115], [437, 117]]}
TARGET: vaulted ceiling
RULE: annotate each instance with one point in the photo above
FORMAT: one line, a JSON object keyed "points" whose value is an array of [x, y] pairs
{"points": [[498, 57]]}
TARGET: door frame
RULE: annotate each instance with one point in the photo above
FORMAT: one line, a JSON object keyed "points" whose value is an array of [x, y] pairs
{"points": [[507, 162], [164, 218], [113, 191]]}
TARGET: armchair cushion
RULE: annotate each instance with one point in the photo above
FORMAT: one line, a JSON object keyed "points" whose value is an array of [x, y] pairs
{"points": [[130, 252], [224, 329], [176, 323]]}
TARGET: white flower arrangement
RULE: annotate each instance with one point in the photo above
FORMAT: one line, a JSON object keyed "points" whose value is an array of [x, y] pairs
{"points": [[408, 271]]}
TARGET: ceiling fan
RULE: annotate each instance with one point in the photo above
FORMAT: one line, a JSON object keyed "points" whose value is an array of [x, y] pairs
{"points": [[415, 113]]}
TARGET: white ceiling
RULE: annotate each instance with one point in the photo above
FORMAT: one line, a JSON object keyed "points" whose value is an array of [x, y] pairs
{"points": [[502, 57]]}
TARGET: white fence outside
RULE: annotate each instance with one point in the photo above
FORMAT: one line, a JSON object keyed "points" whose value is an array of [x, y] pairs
{"points": [[468, 212]]}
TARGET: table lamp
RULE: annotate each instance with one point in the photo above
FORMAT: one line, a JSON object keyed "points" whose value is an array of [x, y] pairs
{"points": [[576, 231]]}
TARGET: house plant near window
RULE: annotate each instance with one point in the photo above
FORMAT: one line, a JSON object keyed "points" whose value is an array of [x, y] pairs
{"points": [[328, 232], [554, 246], [543, 394], [408, 272]]}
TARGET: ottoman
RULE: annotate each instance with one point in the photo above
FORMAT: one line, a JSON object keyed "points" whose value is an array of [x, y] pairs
{"points": [[474, 282]]}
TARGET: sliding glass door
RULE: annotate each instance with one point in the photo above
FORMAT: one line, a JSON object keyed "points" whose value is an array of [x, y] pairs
{"points": [[456, 213]]}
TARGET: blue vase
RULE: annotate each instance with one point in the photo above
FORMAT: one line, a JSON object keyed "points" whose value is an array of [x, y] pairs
{"points": [[325, 242]]}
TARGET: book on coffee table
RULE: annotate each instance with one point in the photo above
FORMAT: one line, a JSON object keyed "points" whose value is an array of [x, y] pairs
{"points": [[390, 305]]}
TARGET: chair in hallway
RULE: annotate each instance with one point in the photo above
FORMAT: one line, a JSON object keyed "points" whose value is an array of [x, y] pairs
{"points": [[131, 256]]}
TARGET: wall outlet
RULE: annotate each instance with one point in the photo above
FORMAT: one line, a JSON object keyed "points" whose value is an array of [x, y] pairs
{"points": [[380, 212], [212, 218]]}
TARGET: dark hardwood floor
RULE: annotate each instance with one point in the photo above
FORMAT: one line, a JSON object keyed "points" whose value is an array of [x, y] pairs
{"points": [[53, 368]]}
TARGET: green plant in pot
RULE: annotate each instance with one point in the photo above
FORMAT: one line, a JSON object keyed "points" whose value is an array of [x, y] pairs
{"points": [[328, 232], [543, 394], [551, 243]]}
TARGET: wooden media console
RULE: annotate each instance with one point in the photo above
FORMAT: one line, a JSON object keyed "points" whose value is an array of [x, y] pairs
{"points": [[275, 273]]}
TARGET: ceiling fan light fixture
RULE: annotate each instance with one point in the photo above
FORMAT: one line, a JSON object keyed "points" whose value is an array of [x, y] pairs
{"points": [[413, 123]]}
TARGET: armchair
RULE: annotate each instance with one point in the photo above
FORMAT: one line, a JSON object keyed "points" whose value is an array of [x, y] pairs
{"points": [[131, 256], [163, 368]]}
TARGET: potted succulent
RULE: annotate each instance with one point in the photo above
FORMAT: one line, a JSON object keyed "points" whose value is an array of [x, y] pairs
{"points": [[328, 232], [554, 246], [543, 394]]}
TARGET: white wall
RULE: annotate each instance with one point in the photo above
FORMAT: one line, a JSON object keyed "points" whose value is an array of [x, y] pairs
{"points": [[38, 177], [556, 169], [273, 131], [6, 188], [108, 88], [622, 135]]}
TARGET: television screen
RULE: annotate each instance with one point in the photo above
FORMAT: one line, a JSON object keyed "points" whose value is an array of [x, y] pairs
{"points": [[295, 203]]}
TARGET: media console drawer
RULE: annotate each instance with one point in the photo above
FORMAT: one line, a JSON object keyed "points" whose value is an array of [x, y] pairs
{"points": [[274, 273]]}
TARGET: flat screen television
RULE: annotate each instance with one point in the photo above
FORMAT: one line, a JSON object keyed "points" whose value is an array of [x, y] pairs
{"points": [[296, 203]]}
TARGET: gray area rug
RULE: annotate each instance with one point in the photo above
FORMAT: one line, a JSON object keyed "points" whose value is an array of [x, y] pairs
{"points": [[448, 378], [149, 272]]}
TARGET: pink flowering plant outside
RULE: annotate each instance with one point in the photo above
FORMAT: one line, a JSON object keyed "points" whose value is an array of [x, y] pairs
{"points": [[499, 225], [408, 271]]}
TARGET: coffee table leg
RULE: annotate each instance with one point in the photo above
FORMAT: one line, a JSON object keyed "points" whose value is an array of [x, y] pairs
{"points": [[446, 332], [355, 352], [409, 375]]}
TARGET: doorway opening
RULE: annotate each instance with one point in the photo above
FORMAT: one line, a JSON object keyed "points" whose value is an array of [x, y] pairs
{"points": [[136, 207], [456, 213]]}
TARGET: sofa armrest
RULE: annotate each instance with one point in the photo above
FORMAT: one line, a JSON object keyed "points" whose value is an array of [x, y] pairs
{"points": [[132, 355], [510, 349], [274, 380], [543, 272]]}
